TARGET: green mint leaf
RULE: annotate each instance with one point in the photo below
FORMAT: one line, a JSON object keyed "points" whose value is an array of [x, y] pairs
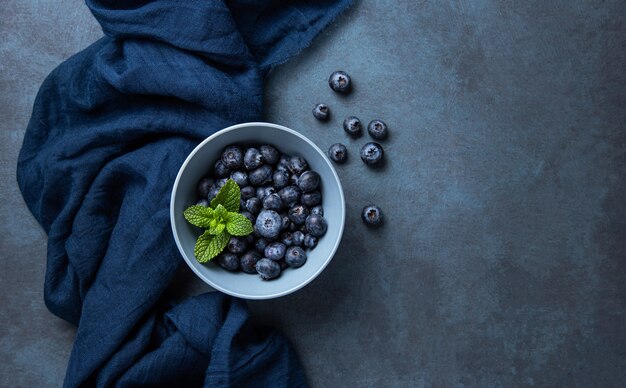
{"points": [[238, 225], [218, 228], [208, 246], [228, 196], [220, 212], [199, 215]]}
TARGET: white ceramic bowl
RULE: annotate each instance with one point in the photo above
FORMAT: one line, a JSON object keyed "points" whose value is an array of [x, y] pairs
{"points": [[200, 162]]}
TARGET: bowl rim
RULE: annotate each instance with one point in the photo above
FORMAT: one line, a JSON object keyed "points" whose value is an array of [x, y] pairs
{"points": [[175, 232]]}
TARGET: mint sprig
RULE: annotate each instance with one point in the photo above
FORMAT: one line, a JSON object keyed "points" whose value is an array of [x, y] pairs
{"points": [[220, 221]]}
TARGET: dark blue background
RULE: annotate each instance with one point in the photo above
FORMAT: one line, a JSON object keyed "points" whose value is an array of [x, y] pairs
{"points": [[503, 261]]}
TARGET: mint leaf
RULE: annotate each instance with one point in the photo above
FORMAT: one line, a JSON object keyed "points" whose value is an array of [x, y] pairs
{"points": [[199, 215], [238, 225], [208, 246], [228, 196], [217, 228]]}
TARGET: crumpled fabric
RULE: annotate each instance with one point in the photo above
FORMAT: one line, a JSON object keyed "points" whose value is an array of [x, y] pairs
{"points": [[110, 128]]}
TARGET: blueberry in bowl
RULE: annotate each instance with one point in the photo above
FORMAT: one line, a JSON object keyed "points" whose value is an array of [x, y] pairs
{"points": [[283, 176]]}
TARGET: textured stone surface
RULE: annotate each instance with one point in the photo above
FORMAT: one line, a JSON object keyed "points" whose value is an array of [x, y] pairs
{"points": [[503, 260]]}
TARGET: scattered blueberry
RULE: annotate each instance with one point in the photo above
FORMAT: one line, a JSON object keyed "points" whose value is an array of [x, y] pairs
{"points": [[253, 205], [213, 192], [228, 260], [237, 245], [204, 186], [286, 221], [268, 269], [290, 195], [269, 223], [280, 179], [248, 192], [270, 154], [339, 81], [260, 175], [352, 125], [248, 261], [295, 257], [232, 157], [310, 241], [372, 154], [221, 182], [240, 178], [293, 180], [249, 216], [252, 158], [298, 214], [220, 170], [272, 202], [297, 165], [283, 264], [319, 210], [298, 238], [372, 215], [321, 112], [311, 199], [338, 153], [316, 225], [377, 129], [283, 163], [308, 181], [275, 251]]}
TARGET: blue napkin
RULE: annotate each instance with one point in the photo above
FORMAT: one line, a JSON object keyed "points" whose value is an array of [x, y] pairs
{"points": [[110, 128]]}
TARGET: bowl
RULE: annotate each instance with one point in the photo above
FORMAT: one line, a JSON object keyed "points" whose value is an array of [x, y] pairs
{"points": [[200, 162]]}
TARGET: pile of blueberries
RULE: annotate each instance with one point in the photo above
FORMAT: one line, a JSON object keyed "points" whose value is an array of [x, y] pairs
{"points": [[280, 195], [371, 153]]}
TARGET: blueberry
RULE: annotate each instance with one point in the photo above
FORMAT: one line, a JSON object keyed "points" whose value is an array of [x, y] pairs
{"points": [[293, 227], [268, 190], [298, 238], [295, 257], [321, 112], [316, 225], [275, 251], [204, 186], [352, 126], [372, 215], [203, 202], [269, 223], [260, 193], [248, 192], [221, 182], [260, 244], [228, 260], [319, 210], [220, 170], [252, 158], [311, 199], [268, 269], [236, 245], [286, 222], [253, 205], [338, 153], [269, 153], [286, 238], [290, 195], [240, 178], [339, 81], [310, 241], [308, 181], [283, 163], [372, 154], [272, 202], [249, 216], [281, 179], [298, 214], [293, 180], [242, 204], [377, 129], [248, 261], [213, 192], [283, 264], [298, 165], [232, 157], [260, 175]]}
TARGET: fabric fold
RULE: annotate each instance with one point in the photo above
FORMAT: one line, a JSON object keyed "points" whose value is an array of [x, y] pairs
{"points": [[109, 130]]}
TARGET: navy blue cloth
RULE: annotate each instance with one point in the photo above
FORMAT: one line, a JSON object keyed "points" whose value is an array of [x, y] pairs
{"points": [[110, 128]]}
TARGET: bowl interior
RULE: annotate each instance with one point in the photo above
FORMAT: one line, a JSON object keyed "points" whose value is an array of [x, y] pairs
{"points": [[200, 162]]}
